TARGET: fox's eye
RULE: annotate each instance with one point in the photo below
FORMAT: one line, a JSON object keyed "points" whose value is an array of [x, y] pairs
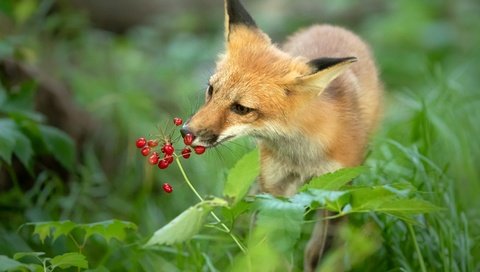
{"points": [[209, 90], [239, 109]]}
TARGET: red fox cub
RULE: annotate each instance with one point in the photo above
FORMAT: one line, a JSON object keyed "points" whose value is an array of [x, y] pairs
{"points": [[310, 103]]}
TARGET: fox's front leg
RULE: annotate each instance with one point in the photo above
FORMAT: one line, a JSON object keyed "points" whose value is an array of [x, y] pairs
{"points": [[276, 177]]}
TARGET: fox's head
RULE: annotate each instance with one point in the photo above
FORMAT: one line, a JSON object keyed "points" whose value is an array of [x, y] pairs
{"points": [[256, 87]]}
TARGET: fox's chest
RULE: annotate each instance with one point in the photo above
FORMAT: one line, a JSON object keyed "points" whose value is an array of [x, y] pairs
{"points": [[285, 167]]}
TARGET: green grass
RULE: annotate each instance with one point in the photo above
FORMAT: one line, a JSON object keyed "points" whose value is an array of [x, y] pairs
{"points": [[429, 58]]}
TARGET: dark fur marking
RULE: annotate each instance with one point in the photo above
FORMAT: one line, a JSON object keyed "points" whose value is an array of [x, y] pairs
{"points": [[238, 15], [324, 63]]}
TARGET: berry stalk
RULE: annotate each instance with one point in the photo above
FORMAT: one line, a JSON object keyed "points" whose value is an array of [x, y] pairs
{"points": [[227, 229]]}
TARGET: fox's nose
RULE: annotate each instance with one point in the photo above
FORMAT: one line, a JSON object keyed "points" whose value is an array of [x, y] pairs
{"points": [[185, 130]]}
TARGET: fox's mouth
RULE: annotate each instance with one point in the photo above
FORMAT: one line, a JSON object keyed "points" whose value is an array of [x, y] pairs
{"points": [[212, 142]]}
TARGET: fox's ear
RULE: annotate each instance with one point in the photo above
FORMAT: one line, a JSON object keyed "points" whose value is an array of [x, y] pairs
{"points": [[325, 70], [235, 16]]}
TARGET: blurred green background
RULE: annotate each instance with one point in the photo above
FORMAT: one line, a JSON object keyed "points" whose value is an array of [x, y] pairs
{"points": [[107, 72]]}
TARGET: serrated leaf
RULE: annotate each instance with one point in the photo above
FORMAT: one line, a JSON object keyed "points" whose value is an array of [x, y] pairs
{"points": [[52, 228], [62, 228], [241, 176], [108, 229], [60, 145], [42, 230], [335, 180], [185, 225], [7, 264], [314, 198], [369, 198], [71, 259]]}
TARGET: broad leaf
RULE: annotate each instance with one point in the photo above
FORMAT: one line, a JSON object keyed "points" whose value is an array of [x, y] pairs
{"points": [[20, 255], [313, 198], [335, 180], [108, 229], [408, 206], [7, 264], [370, 198], [12, 140], [23, 149], [184, 226], [71, 259], [279, 221], [8, 133], [241, 176], [60, 145]]}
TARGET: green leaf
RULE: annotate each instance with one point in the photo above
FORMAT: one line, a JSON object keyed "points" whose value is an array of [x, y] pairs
{"points": [[23, 149], [241, 176], [42, 230], [335, 180], [279, 221], [408, 206], [60, 145], [62, 228], [13, 141], [20, 255], [7, 264], [185, 225], [108, 229], [52, 228], [369, 198], [314, 198], [7, 140], [68, 260], [390, 199]]}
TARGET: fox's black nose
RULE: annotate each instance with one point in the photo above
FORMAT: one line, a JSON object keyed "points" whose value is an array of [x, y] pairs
{"points": [[185, 130]]}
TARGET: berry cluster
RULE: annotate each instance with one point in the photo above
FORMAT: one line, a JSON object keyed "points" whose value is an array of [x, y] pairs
{"points": [[149, 148]]}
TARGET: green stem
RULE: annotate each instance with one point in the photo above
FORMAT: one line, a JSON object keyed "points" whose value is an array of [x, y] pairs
{"points": [[417, 248], [187, 180]]}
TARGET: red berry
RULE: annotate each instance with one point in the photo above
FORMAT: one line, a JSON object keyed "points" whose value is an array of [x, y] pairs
{"points": [[188, 139], [167, 188], [168, 148], [169, 159], [162, 164], [199, 149], [154, 158], [145, 151], [152, 143], [141, 142], [186, 152], [177, 121]]}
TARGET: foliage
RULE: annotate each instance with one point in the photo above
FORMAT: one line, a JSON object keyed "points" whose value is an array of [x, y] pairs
{"points": [[412, 206]]}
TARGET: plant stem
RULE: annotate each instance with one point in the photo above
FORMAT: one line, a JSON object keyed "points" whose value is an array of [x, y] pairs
{"points": [[417, 248], [187, 180]]}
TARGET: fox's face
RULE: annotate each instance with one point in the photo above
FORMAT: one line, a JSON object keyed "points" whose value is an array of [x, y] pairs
{"points": [[256, 88]]}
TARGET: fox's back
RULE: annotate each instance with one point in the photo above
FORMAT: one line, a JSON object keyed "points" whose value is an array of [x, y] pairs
{"points": [[360, 84]]}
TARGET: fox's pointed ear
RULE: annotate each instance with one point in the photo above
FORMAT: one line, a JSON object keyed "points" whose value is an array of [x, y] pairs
{"points": [[236, 15], [325, 70]]}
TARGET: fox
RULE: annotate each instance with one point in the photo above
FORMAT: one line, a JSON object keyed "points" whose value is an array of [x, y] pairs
{"points": [[311, 103]]}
